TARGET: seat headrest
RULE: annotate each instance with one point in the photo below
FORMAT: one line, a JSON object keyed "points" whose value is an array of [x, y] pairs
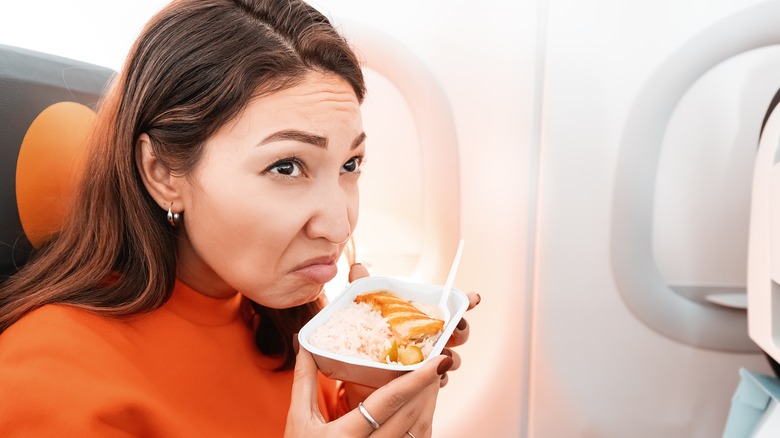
{"points": [[47, 108]]}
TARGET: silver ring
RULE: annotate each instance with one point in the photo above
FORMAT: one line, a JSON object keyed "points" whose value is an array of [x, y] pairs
{"points": [[410, 434], [368, 416]]}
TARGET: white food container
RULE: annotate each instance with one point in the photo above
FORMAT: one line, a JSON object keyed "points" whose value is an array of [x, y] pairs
{"points": [[372, 373]]}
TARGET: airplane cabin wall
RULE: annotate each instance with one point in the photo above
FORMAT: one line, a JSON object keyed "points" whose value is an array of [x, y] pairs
{"points": [[539, 94]]}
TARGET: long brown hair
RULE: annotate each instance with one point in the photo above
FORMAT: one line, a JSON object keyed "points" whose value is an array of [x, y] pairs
{"points": [[194, 67]]}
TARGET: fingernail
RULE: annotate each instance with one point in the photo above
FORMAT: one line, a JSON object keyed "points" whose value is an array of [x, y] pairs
{"points": [[446, 352], [462, 324], [444, 366], [479, 298], [295, 344], [357, 264]]}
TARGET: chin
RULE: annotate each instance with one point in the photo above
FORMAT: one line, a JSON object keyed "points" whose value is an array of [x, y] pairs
{"points": [[305, 295]]}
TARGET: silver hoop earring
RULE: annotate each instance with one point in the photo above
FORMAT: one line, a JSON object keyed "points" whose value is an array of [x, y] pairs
{"points": [[173, 218]]}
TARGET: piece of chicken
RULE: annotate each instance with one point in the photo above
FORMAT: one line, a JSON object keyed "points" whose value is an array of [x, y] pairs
{"points": [[407, 322]]}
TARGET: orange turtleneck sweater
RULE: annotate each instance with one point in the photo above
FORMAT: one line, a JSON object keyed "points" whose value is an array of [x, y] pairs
{"points": [[188, 369]]}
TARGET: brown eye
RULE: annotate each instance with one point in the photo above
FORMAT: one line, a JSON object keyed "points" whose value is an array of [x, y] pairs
{"points": [[352, 166], [286, 167]]}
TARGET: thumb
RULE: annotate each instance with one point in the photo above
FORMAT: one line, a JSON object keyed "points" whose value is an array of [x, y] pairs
{"points": [[303, 402], [357, 271]]}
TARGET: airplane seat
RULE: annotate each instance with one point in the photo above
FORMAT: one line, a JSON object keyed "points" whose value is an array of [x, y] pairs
{"points": [[755, 405], [773, 363], [47, 108]]}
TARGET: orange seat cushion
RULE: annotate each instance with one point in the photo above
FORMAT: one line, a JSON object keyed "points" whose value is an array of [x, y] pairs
{"points": [[50, 161]]}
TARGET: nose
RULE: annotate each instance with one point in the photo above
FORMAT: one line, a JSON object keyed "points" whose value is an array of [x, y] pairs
{"points": [[334, 213]]}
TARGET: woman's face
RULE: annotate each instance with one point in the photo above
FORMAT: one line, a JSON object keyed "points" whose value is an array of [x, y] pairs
{"points": [[270, 206]]}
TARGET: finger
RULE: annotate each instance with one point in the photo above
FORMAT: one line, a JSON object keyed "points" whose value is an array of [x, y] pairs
{"points": [[357, 271], [456, 360], [303, 403], [387, 400], [443, 381], [460, 335], [474, 299], [416, 415]]}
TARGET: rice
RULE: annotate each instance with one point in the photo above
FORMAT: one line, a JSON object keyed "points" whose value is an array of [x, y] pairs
{"points": [[360, 331], [356, 330]]}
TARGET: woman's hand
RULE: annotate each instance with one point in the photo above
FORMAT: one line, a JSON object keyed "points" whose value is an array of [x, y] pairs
{"points": [[406, 404], [458, 337]]}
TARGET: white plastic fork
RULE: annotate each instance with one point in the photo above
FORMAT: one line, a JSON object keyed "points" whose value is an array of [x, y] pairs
{"points": [[445, 293]]}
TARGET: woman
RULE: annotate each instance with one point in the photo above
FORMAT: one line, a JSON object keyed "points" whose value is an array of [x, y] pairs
{"points": [[225, 159]]}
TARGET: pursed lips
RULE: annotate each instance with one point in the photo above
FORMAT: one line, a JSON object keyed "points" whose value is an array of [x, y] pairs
{"points": [[319, 270]]}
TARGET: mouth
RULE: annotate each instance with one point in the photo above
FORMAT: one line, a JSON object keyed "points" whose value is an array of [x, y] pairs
{"points": [[318, 270]]}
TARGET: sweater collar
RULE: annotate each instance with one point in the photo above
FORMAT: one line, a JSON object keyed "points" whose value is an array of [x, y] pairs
{"points": [[202, 309]]}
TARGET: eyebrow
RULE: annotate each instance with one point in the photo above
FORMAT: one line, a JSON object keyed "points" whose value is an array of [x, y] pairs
{"points": [[359, 140], [307, 137], [295, 135]]}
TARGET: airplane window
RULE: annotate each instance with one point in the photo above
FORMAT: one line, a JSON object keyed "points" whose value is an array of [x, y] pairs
{"points": [[677, 154], [705, 171], [410, 193], [389, 231]]}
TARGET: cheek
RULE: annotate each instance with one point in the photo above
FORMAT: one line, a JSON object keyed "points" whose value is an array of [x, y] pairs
{"points": [[243, 238], [353, 209]]}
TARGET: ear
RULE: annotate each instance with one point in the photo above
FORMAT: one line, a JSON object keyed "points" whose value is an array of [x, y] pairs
{"points": [[164, 187]]}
